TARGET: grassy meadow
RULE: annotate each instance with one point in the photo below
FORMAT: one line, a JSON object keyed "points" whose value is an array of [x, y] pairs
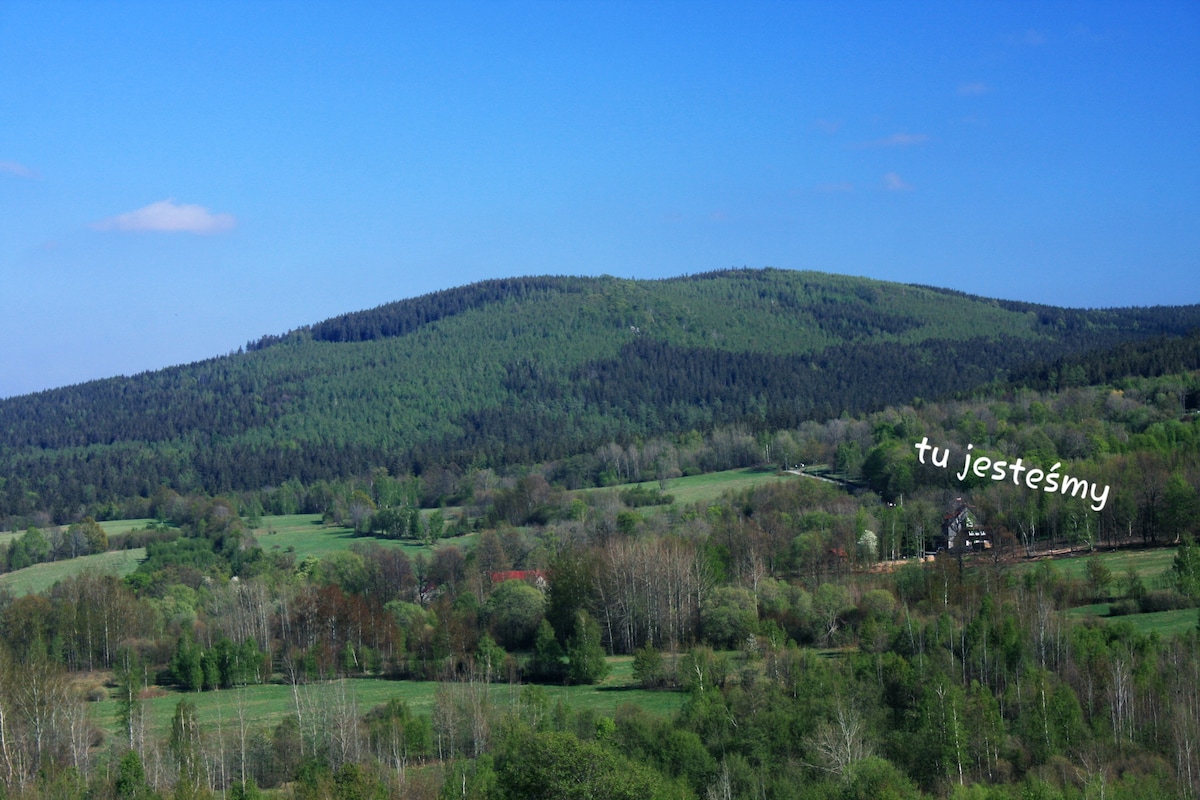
{"points": [[41, 577], [1151, 564], [1164, 623], [265, 705], [702, 488], [305, 535]]}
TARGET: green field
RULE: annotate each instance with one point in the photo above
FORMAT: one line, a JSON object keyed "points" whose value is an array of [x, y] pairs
{"points": [[1165, 623], [264, 706], [116, 526], [41, 577], [1153, 565], [701, 488], [707, 487], [305, 535], [111, 527], [1150, 563]]}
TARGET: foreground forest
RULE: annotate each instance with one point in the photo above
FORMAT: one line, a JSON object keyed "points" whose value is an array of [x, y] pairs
{"points": [[807, 649]]}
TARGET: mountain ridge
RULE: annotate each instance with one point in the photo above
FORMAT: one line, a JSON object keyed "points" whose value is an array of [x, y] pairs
{"points": [[517, 370]]}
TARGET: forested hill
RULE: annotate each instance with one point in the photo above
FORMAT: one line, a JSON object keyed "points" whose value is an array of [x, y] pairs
{"points": [[525, 369]]}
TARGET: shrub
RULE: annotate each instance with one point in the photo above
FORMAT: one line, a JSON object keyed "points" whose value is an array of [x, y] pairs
{"points": [[1163, 600], [648, 667], [1123, 608], [640, 496]]}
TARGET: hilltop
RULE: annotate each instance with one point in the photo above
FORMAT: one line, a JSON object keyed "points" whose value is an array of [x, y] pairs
{"points": [[526, 369]]}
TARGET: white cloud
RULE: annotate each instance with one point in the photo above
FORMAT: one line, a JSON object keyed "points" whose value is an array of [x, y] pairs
{"points": [[894, 183], [829, 126], [168, 216], [840, 187], [896, 140], [20, 170], [973, 89]]}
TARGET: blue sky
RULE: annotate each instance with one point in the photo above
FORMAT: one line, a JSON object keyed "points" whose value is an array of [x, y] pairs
{"points": [[179, 178]]}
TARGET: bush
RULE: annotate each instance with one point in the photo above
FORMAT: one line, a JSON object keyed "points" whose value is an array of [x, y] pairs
{"points": [[1123, 608], [875, 778], [640, 496], [560, 766], [1163, 600], [648, 667]]}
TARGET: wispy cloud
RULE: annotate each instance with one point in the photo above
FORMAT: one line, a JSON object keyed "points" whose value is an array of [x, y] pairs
{"points": [[169, 217], [895, 140], [973, 89], [829, 126], [894, 183], [1033, 37], [841, 187], [19, 170]]}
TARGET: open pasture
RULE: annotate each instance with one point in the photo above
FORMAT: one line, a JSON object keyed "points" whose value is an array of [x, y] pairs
{"points": [[305, 535], [116, 526], [1150, 563], [1153, 566], [703, 488], [40, 577], [710, 486], [1165, 623], [266, 705]]}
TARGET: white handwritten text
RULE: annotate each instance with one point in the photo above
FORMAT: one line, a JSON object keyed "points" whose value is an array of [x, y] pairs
{"points": [[1047, 480]]}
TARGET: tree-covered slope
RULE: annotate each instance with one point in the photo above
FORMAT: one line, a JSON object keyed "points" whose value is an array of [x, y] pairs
{"points": [[518, 370]]}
